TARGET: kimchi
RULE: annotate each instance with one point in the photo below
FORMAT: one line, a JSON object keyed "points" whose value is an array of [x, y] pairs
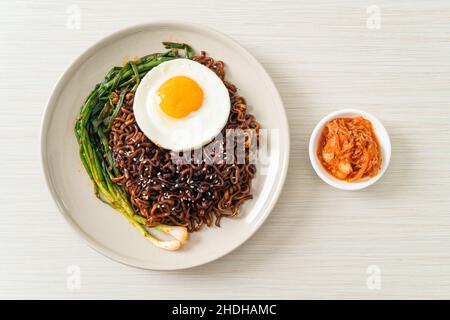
{"points": [[349, 149]]}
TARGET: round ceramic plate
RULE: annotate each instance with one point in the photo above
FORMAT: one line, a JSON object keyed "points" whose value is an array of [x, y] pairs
{"points": [[106, 230]]}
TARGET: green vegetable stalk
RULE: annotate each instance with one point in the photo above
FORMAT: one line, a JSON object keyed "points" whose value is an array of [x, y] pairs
{"points": [[92, 128]]}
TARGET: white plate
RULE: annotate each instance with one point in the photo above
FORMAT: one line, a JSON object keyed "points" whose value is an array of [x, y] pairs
{"points": [[106, 230]]}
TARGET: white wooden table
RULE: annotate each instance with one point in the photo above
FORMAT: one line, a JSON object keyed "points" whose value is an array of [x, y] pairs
{"points": [[318, 242]]}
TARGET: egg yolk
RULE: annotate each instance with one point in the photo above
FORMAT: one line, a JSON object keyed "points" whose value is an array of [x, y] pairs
{"points": [[180, 96]]}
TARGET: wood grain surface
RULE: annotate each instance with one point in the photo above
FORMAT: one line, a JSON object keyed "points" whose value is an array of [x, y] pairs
{"points": [[318, 242]]}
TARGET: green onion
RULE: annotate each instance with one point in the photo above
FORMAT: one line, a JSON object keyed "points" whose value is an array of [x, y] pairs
{"points": [[93, 125]]}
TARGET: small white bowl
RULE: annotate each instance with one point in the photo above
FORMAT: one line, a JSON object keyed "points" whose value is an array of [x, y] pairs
{"points": [[383, 139]]}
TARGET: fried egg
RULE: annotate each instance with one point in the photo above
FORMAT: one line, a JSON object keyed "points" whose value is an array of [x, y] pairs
{"points": [[181, 105]]}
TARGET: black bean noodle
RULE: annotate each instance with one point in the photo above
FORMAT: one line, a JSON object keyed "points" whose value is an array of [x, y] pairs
{"points": [[182, 193]]}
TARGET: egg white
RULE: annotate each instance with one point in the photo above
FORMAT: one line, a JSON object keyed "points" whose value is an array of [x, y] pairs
{"points": [[196, 129]]}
